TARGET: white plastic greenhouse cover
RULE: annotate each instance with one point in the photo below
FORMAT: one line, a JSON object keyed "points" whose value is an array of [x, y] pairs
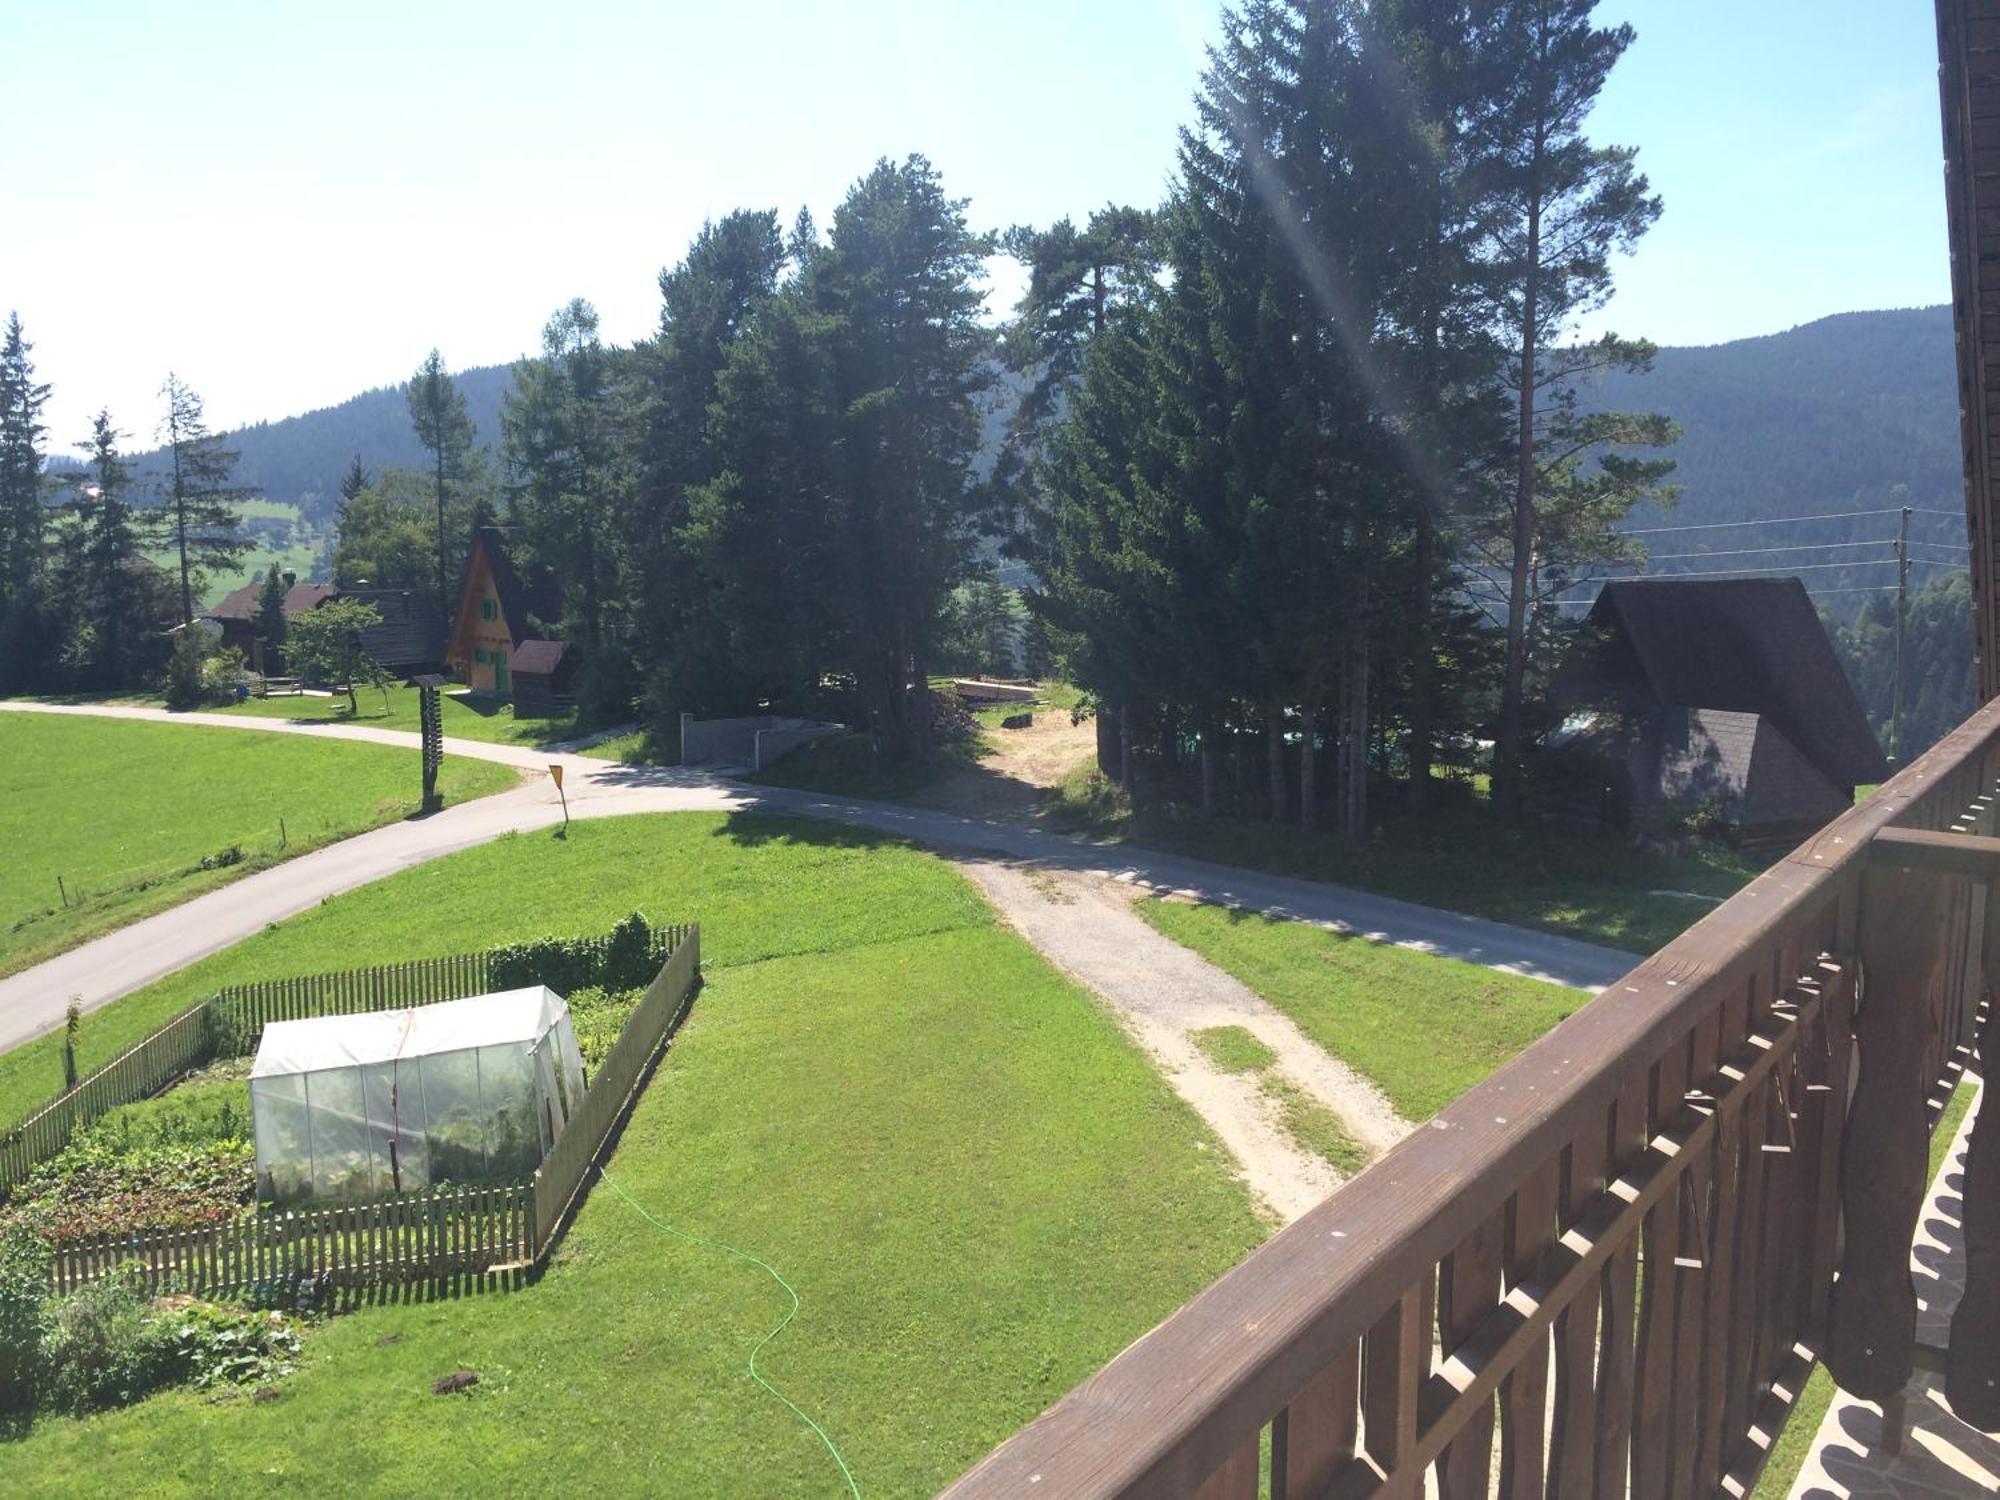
{"points": [[322, 1042]]}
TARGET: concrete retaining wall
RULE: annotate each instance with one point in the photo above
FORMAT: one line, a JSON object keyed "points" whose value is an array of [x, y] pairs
{"points": [[753, 742]]}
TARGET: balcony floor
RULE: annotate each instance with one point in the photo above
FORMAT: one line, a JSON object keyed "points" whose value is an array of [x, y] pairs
{"points": [[1941, 1455]]}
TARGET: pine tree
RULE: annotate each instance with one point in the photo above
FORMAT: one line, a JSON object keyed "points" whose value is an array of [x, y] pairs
{"points": [[1559, 208], [444, 428], [196, 517], [23, 522]]}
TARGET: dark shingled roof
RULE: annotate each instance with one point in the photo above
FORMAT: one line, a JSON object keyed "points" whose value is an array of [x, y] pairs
{"points": [[1749, 645], [540, 657], [412, 631], [243, 603]]}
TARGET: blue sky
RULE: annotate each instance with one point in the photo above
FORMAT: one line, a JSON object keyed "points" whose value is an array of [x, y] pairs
{"points": [[288, 202]]}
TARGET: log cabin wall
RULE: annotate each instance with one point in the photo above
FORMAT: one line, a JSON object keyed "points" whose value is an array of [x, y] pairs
{"points": [[1969, 96]]}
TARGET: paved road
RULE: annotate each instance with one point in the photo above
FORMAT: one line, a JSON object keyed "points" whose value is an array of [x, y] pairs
{"points": [[32, 1002]]}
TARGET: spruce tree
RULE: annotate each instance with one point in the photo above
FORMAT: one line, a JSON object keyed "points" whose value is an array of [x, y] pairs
{"points": [[23, 523], [270, 627], [444, 428], [562, 429], [896, 289], [113, 605], [710, 303], [197, 515]]}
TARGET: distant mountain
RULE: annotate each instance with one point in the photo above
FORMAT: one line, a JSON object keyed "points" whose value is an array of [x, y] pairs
{"points": [[1856, 412], [1833, 416], [300, 460]]}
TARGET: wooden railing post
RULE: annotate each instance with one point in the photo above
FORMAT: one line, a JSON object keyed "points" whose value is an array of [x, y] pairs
{"points": [[1972, 1366], [1871, 1347]]}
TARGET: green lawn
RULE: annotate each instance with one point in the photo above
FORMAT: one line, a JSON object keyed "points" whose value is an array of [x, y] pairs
{"points": [[980, 1190], [1424, 1028], [124, 813], [465, 716]]}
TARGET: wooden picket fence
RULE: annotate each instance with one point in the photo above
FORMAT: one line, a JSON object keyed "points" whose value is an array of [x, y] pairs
{"points": [[242, 1011], [559, 1180], [183, 1044], [231, 1023], [480, 1232], [489, 1236]]}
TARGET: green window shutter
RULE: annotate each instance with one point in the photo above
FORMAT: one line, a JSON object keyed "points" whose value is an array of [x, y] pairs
{"points": [[488, 610]]}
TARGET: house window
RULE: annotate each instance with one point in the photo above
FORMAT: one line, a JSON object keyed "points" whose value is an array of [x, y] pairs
{"points": [[489, 609], [479, 655]]}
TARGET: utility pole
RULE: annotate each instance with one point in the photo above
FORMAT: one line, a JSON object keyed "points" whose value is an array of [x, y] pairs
{"points": [[1902, 631]]}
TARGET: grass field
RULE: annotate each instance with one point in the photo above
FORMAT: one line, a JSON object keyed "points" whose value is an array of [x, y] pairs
{"points": [[978, 1188], [1424, 1028], [465, 716], [125, 812]]}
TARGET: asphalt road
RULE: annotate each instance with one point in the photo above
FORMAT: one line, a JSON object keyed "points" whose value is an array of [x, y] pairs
{"points": [[32, 1002]]}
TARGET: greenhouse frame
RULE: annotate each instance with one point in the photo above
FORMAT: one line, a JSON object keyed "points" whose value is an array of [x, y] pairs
{"points": [[351, 1108]]}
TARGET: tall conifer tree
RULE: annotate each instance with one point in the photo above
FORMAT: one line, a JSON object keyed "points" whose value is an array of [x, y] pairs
{"points": [[22, 521], [444, 428], [1558, 208], [197, 515]]}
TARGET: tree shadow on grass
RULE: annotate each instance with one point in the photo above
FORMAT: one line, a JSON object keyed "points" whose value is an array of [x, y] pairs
{"points": [[753, 830]]}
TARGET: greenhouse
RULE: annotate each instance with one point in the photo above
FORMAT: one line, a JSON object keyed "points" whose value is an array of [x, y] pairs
{"points": [[348, 1108]]}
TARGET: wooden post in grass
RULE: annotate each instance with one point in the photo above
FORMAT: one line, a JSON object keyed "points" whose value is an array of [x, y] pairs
{"points": [[430, 720]]}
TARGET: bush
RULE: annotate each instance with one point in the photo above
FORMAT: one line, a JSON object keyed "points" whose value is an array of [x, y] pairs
{"points": [[198, 676], [227, 1346], [597, 1016], [110, 1341], [24, 1285], [628, 958], [184, 671], [104, 1344]]}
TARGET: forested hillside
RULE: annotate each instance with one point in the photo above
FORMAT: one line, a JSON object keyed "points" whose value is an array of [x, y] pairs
{"points": [[299, 460], [1856, 412], [1833, 415]]}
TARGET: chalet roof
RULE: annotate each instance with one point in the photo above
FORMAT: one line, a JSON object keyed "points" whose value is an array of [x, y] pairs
{"points": [[1747, 645], [243, 603], [519, 599], [412, 631]]}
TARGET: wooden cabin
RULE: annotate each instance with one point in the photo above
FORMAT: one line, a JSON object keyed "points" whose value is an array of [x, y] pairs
{"points": [[1722, 697], [497, 613]]}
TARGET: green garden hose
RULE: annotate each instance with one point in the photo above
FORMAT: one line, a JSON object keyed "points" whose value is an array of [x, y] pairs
{"points": [[757, 1348]]}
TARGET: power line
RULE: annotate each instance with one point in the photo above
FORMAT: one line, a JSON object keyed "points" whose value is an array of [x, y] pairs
{"points": [[1654, 557], [1838, 515], [1859, 562]]}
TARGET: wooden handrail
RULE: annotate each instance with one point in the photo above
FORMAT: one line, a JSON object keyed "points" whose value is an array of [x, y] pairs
{"points": [[1182, 1411]]}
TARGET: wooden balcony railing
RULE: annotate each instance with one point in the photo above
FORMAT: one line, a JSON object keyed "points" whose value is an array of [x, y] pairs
{"points": [[1608, 1268]]}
